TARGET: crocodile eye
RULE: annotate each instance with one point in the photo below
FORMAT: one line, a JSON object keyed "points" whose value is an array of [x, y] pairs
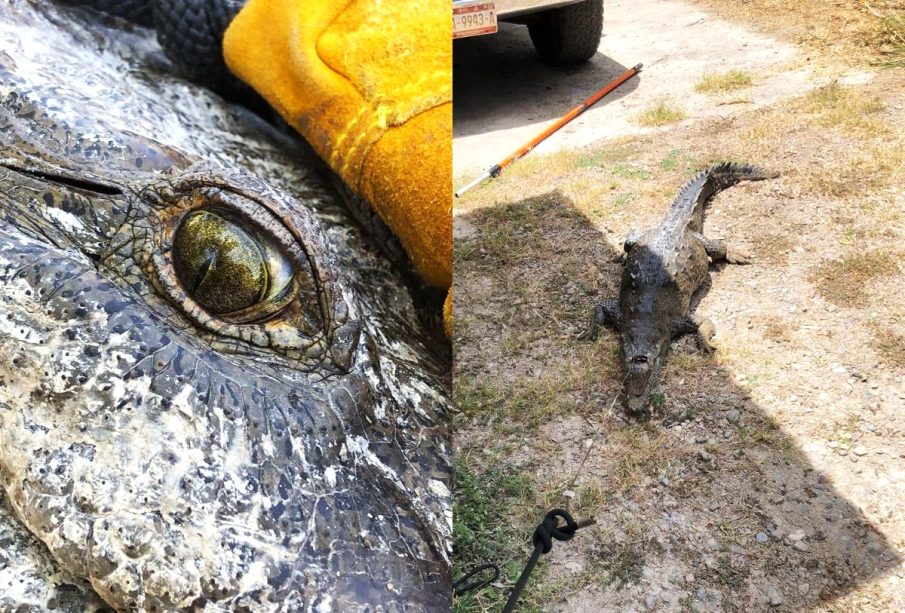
{"points": [[247, 266], [233, 271]]}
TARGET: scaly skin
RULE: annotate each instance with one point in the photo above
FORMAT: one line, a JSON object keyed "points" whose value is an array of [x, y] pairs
{"points": [[664, 267], [153, 456]]}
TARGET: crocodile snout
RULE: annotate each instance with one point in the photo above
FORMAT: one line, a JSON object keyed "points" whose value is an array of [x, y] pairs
{"points": [[637, 381], [641, 367]]}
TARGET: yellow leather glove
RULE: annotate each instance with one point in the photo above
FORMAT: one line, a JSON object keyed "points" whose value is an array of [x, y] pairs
{"points": [[369, 85], [448, 314]]}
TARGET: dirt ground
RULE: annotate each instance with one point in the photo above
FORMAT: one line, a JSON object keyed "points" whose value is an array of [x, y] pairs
{"points": [[503, 95], [771, 475]]}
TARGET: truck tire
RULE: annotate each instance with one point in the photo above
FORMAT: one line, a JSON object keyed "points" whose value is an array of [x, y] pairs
{"points": [[568, 35]]}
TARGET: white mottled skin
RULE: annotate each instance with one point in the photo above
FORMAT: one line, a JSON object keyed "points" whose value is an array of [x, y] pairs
{"points": [[120, 519]]}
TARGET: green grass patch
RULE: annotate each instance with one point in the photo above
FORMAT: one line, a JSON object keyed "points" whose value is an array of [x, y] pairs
{"points": [[590, 160], [481, 512], [720, 83], [660, 114], [621, 199], [628, 171], [675, 159], [487, 508]]}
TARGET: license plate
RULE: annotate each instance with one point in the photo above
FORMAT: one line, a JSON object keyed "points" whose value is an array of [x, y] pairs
{"points": [[473, 18]]}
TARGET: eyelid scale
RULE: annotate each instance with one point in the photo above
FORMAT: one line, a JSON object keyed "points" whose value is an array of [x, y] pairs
{"points": [[317, 322]]}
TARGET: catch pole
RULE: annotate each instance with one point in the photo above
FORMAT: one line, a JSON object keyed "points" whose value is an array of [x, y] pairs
{"points": [[496, 169]]}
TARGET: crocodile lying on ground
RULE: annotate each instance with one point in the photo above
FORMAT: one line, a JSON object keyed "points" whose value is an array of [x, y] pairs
{"points": [[664, 267], [214, 394]]}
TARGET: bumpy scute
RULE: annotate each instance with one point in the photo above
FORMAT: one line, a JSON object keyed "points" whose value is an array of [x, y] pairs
{"points": [[154, 455]]}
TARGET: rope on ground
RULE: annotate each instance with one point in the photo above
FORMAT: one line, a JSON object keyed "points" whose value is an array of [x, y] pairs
{"points": [[548, 530], [543, 537], [460, 590]]}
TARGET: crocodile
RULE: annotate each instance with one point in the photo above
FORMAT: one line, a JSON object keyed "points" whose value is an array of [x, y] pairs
{"points": [[215, 392], [664, 268]]}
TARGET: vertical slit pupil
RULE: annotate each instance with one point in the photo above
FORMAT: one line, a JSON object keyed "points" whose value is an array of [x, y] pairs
{"points": [[210, 257]]}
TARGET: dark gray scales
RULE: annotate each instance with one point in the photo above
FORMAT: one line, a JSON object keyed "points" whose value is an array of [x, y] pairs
{"points": [[664, 268], [164, 450]]}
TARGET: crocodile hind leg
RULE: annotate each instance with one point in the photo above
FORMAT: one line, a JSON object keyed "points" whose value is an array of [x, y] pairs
{"points": [[719, 251], [701, 327], [606, 313]]}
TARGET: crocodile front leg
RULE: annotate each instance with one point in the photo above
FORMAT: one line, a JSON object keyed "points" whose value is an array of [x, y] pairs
{"points": [[606, 313], [719, 251], [701, 327]]}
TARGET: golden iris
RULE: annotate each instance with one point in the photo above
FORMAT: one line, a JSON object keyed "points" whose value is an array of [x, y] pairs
{"points": [[227, 269]]}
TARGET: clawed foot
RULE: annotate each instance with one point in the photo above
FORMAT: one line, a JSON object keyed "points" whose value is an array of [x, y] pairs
{"points": [[706, 331], [705, 347], [590, 334], [598, 318], [738, 256]]}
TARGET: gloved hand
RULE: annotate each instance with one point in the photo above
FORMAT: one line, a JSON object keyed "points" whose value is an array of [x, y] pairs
{"points": [[369, 85]]}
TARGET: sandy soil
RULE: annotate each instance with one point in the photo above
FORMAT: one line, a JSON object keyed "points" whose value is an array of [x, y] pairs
{"points": [[770, 477]]}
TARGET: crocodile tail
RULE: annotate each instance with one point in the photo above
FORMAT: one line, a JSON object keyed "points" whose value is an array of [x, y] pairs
{"points": [[722, 176], [728, 174], [697, 191]]}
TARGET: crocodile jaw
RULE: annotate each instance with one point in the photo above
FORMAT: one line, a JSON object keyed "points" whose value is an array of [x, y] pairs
{"points": [[642, 362]]}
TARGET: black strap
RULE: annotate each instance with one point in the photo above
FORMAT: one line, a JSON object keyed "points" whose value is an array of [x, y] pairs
{"points": [[190, 33], [550, 529]]}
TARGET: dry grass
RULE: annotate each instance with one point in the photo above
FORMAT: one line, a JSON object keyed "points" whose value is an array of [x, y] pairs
{"points": [[619, 562], [536, 173], [844, 108], [856, 32], [860, 149], [720, 83], [772, 247], [890, 346], [778, 331], [888, 38], [642, 453], [867, 172], [660, 114], [843, 282]]}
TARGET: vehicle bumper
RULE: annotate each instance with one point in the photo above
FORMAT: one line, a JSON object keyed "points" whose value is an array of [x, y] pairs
{"points": [[514, 8]]}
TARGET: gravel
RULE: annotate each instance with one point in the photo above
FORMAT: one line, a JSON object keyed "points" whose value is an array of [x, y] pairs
{"points": [[774, 596]]}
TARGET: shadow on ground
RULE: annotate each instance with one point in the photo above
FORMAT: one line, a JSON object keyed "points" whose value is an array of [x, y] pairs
{"points": [[706, 506], [493, 71]]}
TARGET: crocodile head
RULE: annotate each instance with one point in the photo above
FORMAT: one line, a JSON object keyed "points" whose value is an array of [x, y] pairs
{"points": [[644, 352], [213, 394], [650, 300]]}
